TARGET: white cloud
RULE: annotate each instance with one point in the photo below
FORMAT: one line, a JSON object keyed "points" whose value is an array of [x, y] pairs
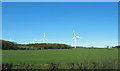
{"points": [[98, 43]]}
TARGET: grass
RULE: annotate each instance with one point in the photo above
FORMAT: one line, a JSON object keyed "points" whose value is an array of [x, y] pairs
{"points": [[59, 55]]}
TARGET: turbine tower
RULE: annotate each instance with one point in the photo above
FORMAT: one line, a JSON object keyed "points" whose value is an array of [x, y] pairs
{"points": [[75, 38], [44, 38]]}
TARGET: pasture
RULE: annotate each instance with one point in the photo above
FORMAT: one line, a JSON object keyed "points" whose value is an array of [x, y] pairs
{"points": [[60, 56]]}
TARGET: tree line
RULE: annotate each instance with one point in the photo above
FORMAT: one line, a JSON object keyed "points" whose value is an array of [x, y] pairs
{"points": [[7, 45], [49, 46]]}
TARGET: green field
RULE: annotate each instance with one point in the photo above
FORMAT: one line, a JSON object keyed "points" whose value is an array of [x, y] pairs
{"points": [[62, 56], [58, 55]]}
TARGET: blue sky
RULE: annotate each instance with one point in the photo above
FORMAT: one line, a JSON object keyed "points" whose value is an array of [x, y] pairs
{"points": [[96, 23]]}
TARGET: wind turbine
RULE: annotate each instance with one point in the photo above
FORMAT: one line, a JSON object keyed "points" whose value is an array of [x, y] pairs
{"points": [[35, 41], [44, 38], [10, 39], [75, 38]]}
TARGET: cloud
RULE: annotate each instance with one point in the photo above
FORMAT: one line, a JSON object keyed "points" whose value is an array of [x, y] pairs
{"points": [[106, 43], [98, 43]]}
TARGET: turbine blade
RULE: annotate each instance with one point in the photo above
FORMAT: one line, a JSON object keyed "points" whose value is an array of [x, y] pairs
{"points": [[74, 32], [42, 39], [72, 38], [44, 34], [46, 39], [77, 36]]}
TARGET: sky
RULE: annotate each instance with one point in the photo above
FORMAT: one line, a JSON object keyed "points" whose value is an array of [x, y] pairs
{"points": [[96, 23]]}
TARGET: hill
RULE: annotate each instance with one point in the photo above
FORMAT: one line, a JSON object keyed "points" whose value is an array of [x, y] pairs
{"points": [[7, 45], [116, 47]]}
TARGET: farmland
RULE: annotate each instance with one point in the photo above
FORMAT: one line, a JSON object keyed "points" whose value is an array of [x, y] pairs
{"points": [[60, 56]]}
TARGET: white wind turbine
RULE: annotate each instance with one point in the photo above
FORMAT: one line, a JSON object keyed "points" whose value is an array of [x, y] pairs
{"points": [[10, 39], [35, 41], [44, 38], [75, 38]]}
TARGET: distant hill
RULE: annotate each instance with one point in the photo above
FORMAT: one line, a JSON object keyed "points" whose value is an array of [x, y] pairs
{"points": [[50, 46], [7, 45], [116, 47]]}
